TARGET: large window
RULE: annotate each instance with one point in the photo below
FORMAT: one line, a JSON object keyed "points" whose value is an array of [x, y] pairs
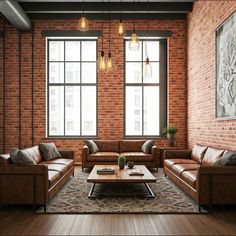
{"points": [[145, 97], [72, 87]]}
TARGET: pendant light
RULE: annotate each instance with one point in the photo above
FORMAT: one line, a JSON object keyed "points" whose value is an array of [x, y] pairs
{"points": [[134, 41], [109, 59], [147, 65], [102, 63], [121, 27], [83, 22]]}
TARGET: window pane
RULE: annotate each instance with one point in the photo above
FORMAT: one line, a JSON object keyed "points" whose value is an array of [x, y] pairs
{"points": [[151, 110], [72, 51], [135, 55], [89, 72], [89, 110], [56, 51], [72, 110], [133, 72], [56, 72], [56, 110], [155, 73], [151, 48], [133, 111], [89, 51], [72, 72]]}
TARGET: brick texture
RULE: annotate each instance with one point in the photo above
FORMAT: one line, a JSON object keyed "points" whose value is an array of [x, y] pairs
{"points": [[110, 86], [202, 126]]}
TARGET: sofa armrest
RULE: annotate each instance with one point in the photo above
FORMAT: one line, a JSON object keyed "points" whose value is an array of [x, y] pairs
{"points": [[182, 154], [156, 155], [67, 154], [85, 154]]}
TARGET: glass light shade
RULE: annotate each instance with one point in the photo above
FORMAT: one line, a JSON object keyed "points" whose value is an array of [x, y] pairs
{"points": [[109, 63], [134, 42], [83, 24], [102, 63], [121, 29], [147, 68]]}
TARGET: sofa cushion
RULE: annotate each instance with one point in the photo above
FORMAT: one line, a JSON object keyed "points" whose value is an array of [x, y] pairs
{"points": [[169, 162], [21, 157], [103, 156], [61, 161], [228, 159], [93, 148], [190, 177], [212, 155], [131, 145], [5, 159], [53, 177], [49, 151], [198, 152], [137, 156], [147, 146], [107, 145], [179, 168], [62, 169]]}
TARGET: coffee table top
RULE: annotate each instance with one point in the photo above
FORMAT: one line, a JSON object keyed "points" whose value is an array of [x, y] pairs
{"points": [[121, 176]]}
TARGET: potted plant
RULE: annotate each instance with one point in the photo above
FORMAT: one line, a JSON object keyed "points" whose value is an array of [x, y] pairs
{"points": [[121, 161], [170, 133]]}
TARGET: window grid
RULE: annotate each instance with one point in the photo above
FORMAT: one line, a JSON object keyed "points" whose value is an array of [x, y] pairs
{"points": [[66, 85]]}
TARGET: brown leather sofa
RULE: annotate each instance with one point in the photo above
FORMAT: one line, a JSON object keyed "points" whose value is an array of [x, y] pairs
{"points": [[34, 184], [194, 172], [110, 150]]}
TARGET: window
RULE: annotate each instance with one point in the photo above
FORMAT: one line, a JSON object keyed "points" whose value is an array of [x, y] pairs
{"points": [[145, 97], [72, 87]]}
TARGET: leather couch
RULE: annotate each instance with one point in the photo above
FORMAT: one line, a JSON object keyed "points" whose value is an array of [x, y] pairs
{"points": [[110, 150], [194, 172], [34, 184]]}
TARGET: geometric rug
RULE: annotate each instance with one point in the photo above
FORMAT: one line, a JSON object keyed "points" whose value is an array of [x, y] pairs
{"points": [[72, 198]]}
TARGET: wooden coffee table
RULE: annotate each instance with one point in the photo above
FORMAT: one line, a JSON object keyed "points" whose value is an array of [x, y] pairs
{"points": [[121, 176]]}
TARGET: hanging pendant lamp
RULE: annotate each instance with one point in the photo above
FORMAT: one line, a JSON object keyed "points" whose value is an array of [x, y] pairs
{"points": [[121, 27], [102, 62], [83, 22], [109, 58], [134, 40]]}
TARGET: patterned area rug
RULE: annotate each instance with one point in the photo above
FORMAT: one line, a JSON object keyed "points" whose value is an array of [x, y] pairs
{"points": [[73, 198]]}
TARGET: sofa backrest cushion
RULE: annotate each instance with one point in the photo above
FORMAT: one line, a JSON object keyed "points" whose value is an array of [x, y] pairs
{"points": [[21, 157], [212, 155], [131, 145], [35, 153], [228, 159], [107, 145], [5, 159], [49, 151], [198, 152]]}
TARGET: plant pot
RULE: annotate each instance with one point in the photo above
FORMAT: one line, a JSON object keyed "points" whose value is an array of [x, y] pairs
{"points": [[172, 140], [121, 162]]}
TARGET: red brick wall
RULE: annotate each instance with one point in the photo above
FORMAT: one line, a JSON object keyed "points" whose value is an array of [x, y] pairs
{"points": [[202, 126], [1, 91], [110, 86]]}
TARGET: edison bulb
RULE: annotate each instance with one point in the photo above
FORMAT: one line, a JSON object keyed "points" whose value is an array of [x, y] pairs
{"points": [[147, 69], [102, 63], [83, 24], [134, 42], [109, 63], [121, 29]]}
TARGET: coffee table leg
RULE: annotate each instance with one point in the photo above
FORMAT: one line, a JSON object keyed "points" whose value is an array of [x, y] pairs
{"points": [[90, 195], [150, 191]]}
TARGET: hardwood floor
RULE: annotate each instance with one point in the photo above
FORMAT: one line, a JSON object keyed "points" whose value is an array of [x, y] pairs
{"points": [[19, 220]]}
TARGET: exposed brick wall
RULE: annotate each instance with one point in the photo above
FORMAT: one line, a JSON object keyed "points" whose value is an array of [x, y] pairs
{"points": [[1, 90], [202, 126], [110, 86]]}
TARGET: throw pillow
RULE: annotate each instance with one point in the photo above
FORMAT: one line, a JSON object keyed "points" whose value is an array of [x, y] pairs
{"points": [[147, 146], [21, 157], [49, 151], [93, 148], [229, 159]]}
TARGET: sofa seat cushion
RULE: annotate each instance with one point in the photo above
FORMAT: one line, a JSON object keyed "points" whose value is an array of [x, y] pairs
{"points": [[62, 169], [103, 156], [170, 162], [61, 161], [53, 177], [179, 168], [137, 156], [190, 177], [212, 155]]}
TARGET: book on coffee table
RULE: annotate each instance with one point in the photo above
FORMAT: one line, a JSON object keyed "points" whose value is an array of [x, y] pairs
{"points": [[136, 172], [106, 171]]}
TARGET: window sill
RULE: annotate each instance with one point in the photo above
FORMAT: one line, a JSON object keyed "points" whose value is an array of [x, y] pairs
{"points": [[71, 138], [145, 137]]}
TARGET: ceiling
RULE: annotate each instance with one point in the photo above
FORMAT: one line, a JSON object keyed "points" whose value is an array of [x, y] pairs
{"points": [[27, 10]]}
